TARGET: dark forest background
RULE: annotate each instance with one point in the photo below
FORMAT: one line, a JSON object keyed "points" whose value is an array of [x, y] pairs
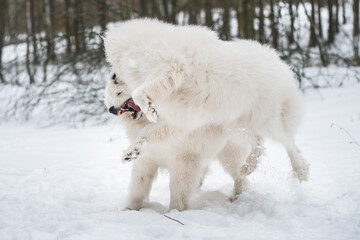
{"points": [[48, 43]]}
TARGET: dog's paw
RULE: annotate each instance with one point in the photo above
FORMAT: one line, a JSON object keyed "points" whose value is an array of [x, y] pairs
{"points": [[131, 155], [151, 113], [145, 104], [179, 205], [133, 151], [233, 198], [302, 173], [134, 205]]}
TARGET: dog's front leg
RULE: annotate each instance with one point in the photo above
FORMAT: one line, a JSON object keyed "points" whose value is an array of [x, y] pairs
{"points": [[150, 133], [184, 177], [158, 84], [143, 173]]}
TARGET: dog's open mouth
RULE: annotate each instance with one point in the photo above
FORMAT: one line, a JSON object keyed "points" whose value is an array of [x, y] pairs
{"points": [[128, 106]]}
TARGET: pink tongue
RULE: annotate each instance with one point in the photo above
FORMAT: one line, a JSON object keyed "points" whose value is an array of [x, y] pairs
{"points": [[133, 105]]}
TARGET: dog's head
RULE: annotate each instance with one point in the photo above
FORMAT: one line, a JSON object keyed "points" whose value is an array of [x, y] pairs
{"points": [[118, 99]]}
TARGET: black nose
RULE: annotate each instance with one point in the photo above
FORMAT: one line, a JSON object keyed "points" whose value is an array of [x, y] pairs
{"points": [[112, 110]]}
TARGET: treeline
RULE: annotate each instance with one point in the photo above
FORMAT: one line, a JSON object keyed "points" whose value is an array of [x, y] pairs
{"points": [[68, 31], [52, 67]]}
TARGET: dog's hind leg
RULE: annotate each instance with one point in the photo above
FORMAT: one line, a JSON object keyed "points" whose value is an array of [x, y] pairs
{"points": [[284, 132], [143, 173], [299, 164], [252, 160], [233, 157]]}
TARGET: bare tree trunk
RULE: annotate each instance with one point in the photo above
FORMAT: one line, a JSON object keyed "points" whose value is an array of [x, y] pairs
{"points": [[76, 30], [28, 10], [245, 16], [101, 13], [3, 18], [193, 11], [155, 9], [166, 10], [208, 14], [261, 33], [319, 19], [129, 9], [173, 11], [68, 19], [49, 18], [225, 29], [52, 14], [344, 11], [82, 25], [323, 54], [32, 30], [251, 6], [241, 19], [143, 8], [331, 30], [312, 41], [274, 25], [292, 22], [151, 8], [356, 31], [79, 28], [337, 5], [12, 19]]}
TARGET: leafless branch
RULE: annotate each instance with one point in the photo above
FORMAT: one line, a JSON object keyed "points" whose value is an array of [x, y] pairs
{"points": [[173, 219], [352, 141]]}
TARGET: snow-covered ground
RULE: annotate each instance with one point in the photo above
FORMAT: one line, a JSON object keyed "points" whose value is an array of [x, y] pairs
{"points": [[63, 183]]}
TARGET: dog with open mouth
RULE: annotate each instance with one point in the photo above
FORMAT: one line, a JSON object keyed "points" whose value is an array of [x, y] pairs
{"points": [[232, 147], [203, 98]]}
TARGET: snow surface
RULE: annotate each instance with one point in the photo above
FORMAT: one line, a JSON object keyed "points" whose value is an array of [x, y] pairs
{"points": [[63, 183]]}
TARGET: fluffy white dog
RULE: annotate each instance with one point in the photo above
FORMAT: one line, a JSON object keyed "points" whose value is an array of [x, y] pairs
{"points": [[186, 155], [205, 98]]}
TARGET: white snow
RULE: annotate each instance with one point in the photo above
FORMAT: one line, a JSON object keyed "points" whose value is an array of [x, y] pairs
{"points": [[63, 183]]}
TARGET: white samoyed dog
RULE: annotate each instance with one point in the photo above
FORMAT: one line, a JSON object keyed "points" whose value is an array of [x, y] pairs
{"points": [[187, 97]]}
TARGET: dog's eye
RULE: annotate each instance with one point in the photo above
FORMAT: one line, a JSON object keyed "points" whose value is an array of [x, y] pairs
{"points": [[114, 78], [119, 93]]}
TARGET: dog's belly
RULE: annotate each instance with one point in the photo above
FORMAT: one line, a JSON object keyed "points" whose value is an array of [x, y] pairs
{"points": [[205, 143]]}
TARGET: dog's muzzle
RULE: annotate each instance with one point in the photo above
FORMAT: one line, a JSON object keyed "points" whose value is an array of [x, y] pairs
{"points": [[127, 106], [113, 110]]}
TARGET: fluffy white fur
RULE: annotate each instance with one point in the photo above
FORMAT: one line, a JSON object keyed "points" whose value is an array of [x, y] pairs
{"points": [[185, 155], [199, 93]]}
